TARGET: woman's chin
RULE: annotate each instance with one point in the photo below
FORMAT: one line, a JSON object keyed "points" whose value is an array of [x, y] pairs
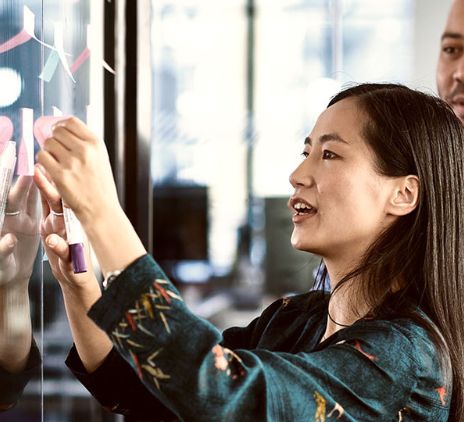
{"points": [[303, 246]]}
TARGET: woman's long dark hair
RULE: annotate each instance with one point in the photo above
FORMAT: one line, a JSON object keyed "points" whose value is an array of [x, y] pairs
{"points": [[413, 133]]}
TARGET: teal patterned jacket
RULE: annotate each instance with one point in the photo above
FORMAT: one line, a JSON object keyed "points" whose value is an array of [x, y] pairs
{"points": [[275, 369]]}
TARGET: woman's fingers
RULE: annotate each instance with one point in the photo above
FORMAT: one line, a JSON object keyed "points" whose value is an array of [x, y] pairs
{"points": [[56, 149], [77, 128], [51, 199], [58, 246], [18, 193], [67, 138], [49, 163], [82, 175]]}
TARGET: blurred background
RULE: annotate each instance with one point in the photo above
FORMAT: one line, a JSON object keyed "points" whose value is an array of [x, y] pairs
{"points": [[204, 106]]}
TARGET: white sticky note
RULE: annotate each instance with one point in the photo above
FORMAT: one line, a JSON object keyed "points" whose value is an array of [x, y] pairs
{"points": [[29, 21], [56, 111], [59, 45], [29, 25], [26, 148], [28, 136]]}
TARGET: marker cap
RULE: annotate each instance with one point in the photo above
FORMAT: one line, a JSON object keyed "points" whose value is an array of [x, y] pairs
{"points": [[78, 258]]}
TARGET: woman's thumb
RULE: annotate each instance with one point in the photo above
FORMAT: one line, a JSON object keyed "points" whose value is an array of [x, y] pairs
{"points": [[58, 246]]}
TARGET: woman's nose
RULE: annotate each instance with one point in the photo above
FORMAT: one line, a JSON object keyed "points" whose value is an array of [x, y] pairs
{"points": [[302, 175]]}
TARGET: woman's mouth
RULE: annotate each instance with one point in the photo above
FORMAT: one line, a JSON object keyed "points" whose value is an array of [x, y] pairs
{"points": [[301, 210]]}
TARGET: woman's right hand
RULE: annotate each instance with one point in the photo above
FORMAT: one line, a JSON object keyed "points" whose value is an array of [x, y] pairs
{"points": [[53, 234], [77, 161]]}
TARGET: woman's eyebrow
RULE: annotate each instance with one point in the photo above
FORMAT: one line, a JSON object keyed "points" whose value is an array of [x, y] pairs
{"points": [[453, 35], [326, 138]]}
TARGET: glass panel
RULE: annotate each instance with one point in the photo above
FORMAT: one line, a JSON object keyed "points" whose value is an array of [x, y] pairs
{"points": [[72, 77], [20, 255]]}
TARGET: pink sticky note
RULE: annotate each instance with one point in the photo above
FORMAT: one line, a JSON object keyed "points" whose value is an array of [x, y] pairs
{"points": [[6, 132], [14, 41], [80, 60], [43, 127], [23, 162]]}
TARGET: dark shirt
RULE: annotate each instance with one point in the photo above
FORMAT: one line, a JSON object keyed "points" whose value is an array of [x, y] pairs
{"points": [[275, 369], [13, 384]]}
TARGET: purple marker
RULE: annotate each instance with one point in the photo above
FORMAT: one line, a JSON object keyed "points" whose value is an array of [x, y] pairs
{"points": [[75, 238]]}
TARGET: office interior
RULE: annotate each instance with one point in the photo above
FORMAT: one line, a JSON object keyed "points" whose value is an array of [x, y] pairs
{"points": [[204, 106]]}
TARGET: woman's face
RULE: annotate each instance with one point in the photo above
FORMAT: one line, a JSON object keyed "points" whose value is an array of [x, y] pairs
{"points": [[339, 203]]}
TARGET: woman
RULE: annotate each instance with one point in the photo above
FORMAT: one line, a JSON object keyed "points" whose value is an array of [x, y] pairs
{"points": [[379, 195]]}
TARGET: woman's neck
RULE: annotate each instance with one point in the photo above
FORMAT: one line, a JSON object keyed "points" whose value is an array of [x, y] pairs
{"points": [[347, 304]]}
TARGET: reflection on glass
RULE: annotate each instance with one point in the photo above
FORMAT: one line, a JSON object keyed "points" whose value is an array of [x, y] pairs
{"points": [[48, 51], [20, 269], [19, 244]]}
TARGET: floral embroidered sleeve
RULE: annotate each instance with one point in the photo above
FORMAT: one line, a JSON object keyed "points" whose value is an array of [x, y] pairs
{"points": [[370, 375]]}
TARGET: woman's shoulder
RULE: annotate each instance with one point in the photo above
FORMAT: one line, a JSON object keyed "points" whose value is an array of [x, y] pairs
{"points": [[314, 300], [406, 335], [403, 345]]}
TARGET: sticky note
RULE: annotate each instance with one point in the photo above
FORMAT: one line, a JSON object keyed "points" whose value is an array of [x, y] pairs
{"points": [[6, 132], [59, 45], [26, 33], [43, 127], [80, 60], [26, 147], [13, 42], [50, 66]]}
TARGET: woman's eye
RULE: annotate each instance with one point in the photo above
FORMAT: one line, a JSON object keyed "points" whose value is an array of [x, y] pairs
{"points": [[452, 50], [305, 154], [328, 155]]}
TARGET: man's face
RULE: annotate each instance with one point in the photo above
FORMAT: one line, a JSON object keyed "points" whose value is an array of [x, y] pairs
{"points": [[450, 71]]}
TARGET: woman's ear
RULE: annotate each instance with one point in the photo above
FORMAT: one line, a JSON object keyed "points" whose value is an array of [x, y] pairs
{"points": [[405, 196]]}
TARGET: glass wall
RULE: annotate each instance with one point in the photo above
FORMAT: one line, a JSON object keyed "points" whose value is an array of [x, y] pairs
{"points": [[72, 85], [51, 64], [20, 264]]}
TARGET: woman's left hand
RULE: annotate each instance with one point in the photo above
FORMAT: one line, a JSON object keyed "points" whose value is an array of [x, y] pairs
{"points": [[78, 163], [53, 233], [19, 239]]}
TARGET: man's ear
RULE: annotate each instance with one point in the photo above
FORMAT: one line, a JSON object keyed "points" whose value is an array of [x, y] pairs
{"points": [[404, 197]]}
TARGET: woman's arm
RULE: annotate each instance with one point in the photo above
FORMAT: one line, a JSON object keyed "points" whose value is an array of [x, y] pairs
{"points": [[80, 291], [368, 376], [19, 244], [15, 326]]}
